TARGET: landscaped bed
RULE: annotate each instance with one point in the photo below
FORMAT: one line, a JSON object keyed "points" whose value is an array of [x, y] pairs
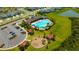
{"points": [[61, 29]]}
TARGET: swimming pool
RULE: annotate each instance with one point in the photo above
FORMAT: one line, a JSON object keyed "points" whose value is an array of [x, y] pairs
{"points": [[42, 24]]}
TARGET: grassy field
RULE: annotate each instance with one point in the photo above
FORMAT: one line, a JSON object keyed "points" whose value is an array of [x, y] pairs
{"points": [[61, 28], [72, 42]]}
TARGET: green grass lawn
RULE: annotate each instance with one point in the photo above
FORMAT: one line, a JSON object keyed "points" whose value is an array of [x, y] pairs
{"points": [[61, 28], [72, 42]]}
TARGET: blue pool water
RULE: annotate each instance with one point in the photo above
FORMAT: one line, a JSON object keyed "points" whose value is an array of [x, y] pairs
{"points": [[42, 24]]}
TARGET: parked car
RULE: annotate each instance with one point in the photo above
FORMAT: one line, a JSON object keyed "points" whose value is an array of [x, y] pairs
{"points": [[12, 33], [17, 27]]}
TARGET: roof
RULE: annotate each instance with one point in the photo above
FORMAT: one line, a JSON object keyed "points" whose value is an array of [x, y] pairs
{"points": [[50, 36], [24, 43], [29, 21], [32, 8], [29, 30]]}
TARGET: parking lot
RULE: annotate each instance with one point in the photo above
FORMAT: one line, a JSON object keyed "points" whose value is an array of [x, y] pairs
{"points": [[11, 35]]}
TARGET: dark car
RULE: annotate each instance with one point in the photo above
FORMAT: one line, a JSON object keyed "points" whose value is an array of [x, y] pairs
{"points": [[12, 33], [17, 27]]}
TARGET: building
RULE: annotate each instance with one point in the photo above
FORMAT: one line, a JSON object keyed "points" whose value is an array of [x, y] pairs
{"points": [[50, 37], [32, 8], [29, 21]]}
